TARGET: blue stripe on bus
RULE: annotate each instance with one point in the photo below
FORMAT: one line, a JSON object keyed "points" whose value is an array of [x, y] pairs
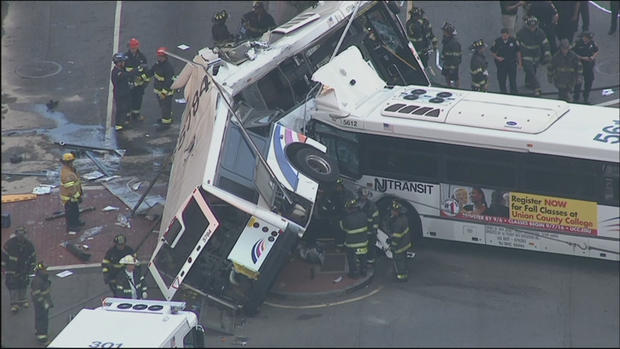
{"points": [[287, 170]]}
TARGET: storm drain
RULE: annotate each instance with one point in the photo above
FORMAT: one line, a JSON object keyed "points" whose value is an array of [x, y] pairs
{"points": [[334, 263], [38, 69]]}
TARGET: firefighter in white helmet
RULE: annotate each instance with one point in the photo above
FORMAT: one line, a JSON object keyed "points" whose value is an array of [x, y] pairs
{"points": [[130, 281]]}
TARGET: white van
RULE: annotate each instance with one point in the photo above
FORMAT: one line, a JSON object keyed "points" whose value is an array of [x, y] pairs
{"points": [[132, 323]]}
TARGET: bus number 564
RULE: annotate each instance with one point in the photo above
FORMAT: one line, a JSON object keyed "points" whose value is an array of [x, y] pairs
{"points": [[611, 134]]}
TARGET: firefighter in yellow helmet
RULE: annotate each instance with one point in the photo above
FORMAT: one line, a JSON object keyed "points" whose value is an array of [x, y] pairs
{"points": [[71, 192], [355, 226], [398, 230]]}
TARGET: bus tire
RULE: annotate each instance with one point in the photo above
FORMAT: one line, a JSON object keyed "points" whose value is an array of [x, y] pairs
{"points": [[316, 165]]}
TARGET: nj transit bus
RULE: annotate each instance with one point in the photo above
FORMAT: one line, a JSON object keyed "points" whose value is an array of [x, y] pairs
{"points": [[482, 168]]}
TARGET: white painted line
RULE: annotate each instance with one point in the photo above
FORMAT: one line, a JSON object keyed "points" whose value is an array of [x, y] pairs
{"points": [[74, 266], [614, 101], [117, 25]]}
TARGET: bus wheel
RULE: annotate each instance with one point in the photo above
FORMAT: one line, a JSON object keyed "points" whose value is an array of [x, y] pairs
{"points": [[316, 165]]}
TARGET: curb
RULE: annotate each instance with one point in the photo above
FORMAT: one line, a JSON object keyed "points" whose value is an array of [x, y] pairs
{"points": [[339, 292]]}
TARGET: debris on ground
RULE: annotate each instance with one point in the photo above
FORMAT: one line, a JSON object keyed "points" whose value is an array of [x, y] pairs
{"points": [[311, 252], [92, 175], [338, 279], [91, 232], [76, 250], [64, 274], [43, 189], [109, 208], [242, 341], [122, 221]]}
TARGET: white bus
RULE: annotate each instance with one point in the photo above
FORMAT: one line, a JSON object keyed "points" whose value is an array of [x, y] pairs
{"points": [[482, 168]]}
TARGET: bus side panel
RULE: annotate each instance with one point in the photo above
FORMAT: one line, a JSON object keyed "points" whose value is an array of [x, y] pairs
{"points": [[451, 230]]}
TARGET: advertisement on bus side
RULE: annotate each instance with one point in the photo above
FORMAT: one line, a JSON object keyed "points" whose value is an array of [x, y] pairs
{"points": [[521, 209]]}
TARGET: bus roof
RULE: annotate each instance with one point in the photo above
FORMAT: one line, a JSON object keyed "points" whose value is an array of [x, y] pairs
{"points": [[461, 117]]}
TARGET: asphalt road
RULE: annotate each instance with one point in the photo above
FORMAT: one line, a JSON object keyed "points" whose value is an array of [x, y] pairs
{"points": [[458, 295]]}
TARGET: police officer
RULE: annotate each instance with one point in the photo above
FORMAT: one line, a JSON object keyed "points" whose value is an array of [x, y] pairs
{"points": [[121, 80], [478, 67], [219, 30], [534, 49], [18, 261], [71, 192], [398, 231], [163, 74], [130, 280], [42, 301], [450, 55], [110, 265], [355, 226], [507, 54], [420, 33], [586, 50], [257, 21], [136, 65], [564, 71], [372, 214]]}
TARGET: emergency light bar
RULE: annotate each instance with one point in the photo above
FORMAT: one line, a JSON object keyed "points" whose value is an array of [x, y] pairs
{"points": [[142, 305]]}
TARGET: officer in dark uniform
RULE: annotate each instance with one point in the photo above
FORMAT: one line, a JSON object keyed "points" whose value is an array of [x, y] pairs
{"points": [[121, 80], [564, 71], [42, 301], [355, 226], [372, 214], [256, 22], [163, 75], [507, 54], [398, 231], [136, 65], [219, 30], [110, 265], [478, 67], [18, 261], [534, 50], [586, 50], [450, 55], [420, 33]]}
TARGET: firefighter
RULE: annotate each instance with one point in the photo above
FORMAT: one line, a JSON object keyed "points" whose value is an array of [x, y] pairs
{"points": [[565, 71], [71, 192], [478, 67], [219, 30], [450, 55], [420, 33], [130, 280], [257, 21], [110, 265], [534, 49], [586, 51], [398, 231], [42, 301], [337, 202], [18, 261], [136, 65], [163, 74], [355, 226], [121, 80], [372, 214]]}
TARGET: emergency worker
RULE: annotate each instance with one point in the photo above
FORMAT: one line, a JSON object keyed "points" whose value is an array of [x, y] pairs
{"points": [[137, 66], [478, 67], [121, 81], [256, 22], [507, 54], [18, 261], [548, 19], [355, 226], [450, 55], [338, 198], [71, 192], [219, 30], [110, 265], [586, 50], [372, 214], [398, 231], [534, 50], [40, 292], [163, 74], [420, 33], [130, 280], [564, 71]]}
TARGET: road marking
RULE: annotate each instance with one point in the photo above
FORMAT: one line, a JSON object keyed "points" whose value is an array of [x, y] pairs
{"points": [[614, 101], [115, 47], [324, 305]]}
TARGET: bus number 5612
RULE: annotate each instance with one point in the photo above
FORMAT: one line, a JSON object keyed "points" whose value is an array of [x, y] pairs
{"points": [[611, 134]]}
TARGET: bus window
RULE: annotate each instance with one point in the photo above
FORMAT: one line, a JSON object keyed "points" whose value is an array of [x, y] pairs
{"points": [[348, 158], [610, 190], [298, 76]]}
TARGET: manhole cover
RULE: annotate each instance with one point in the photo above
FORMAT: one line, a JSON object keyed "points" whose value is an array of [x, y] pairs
{"points": [[38, 69], [333, 263]]}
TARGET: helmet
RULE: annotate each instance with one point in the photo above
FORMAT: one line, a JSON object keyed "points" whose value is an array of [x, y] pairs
{"points": [[68, 157], [339, 181], [220, 15], [20, 230], [128, 259], [564, 44], [120, 239], [363, 191], [396, 205], [161, 51], [477, 44], [134, 43], [586, 34], [531, 21], [41, 266], [351, 203], [416, 12], [448, 28], [258, 4], [119, 57]]}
